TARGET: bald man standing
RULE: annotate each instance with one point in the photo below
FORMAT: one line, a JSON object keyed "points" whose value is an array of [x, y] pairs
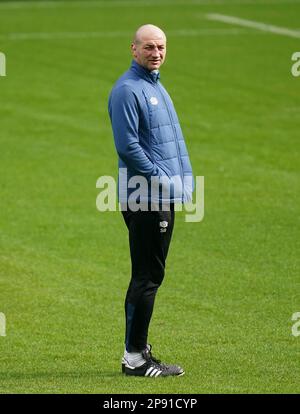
{"points": [[154, 174]]}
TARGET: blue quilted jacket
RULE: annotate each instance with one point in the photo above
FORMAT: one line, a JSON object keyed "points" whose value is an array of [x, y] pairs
{"points": [[148, 137]]}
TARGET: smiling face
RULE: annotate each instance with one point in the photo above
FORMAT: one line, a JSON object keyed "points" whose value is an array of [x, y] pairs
{"points": [[149, 47]]}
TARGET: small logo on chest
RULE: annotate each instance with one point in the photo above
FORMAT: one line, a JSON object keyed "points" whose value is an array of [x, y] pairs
{"points": [[154, 100], [163, 226]]}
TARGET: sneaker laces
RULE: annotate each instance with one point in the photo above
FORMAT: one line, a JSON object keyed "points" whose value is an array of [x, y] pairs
{"points": [[152, 360]]}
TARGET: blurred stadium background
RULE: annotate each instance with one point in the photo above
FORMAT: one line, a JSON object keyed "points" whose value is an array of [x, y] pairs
{"points": [[232, 281]]}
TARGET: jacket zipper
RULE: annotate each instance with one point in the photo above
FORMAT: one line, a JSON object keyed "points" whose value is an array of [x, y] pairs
{"points": [[174, 130]]}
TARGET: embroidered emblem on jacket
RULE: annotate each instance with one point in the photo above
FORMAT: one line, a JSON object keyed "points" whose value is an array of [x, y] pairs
{"points": [[163, 226]]}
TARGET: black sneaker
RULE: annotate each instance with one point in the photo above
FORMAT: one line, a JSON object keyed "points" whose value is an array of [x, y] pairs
{"points": [[123, 364], [153, 368]]}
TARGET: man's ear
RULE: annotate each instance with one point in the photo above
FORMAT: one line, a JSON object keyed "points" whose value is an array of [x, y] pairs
{"points": [[133, 48]]}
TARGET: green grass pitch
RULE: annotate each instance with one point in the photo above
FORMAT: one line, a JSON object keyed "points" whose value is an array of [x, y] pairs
{"points": [[232, 282]]}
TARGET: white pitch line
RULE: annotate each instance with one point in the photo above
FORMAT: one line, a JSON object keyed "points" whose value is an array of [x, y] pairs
{"points": [[62, 35], [254, 25], [14, 5], [117, 34]]}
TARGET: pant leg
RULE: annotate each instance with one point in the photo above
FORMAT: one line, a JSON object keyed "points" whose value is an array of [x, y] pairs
{"points": [[150, 235]]}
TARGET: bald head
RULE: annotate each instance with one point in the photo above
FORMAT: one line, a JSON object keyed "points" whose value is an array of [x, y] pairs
{"points": [[149, 46], [146, 31]]}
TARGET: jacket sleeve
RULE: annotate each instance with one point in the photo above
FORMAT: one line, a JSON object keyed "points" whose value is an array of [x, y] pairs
{"points": [[124, 114]]}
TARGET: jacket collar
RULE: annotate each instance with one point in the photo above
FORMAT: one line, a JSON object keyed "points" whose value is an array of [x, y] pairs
{"points": [[144, 73]]}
